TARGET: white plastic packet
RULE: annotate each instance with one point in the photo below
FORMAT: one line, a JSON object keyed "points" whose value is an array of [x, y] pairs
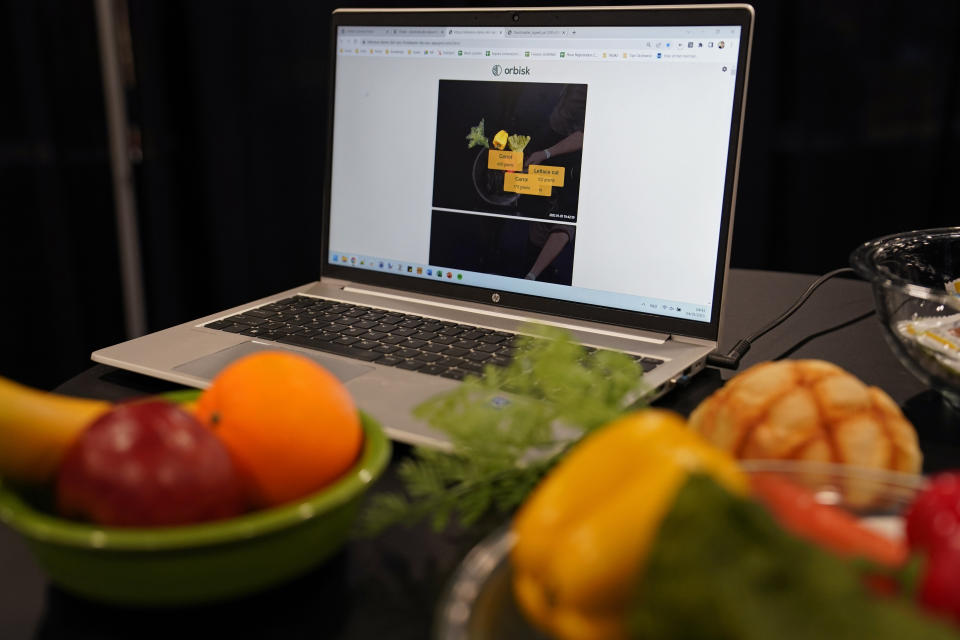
{"points": [[939, 336], [953, 288]]}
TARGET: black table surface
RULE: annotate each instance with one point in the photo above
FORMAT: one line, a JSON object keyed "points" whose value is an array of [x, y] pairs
{"points": [[388, 587]]}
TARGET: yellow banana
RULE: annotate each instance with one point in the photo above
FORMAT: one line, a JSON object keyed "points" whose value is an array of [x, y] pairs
{"points": [[37, 427]]}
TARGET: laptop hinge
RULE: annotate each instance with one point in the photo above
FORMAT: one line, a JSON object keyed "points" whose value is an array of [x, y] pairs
{"points": [[652, 338]]}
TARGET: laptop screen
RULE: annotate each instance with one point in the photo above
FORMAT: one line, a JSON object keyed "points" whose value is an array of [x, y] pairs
{"points": [[585, 164]]}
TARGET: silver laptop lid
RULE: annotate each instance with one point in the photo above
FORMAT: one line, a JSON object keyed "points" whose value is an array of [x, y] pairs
{"points": [[576, 162]]}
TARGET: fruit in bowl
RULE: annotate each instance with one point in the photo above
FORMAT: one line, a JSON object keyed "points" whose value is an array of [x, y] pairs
{"points": [[37, 428], [131, 471], [148, 463], [291, 426]]}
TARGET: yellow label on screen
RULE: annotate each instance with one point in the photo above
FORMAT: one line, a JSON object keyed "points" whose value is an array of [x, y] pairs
{"points": [[546, 174], [524, 183], [505, 160]]}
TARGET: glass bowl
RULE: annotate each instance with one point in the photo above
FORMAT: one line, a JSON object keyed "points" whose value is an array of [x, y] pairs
{"points": [[201, 563], [478, 602], [909, 273]]}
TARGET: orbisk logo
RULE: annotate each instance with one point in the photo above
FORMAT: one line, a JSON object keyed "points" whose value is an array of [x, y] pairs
{"points": [[516, 71]]}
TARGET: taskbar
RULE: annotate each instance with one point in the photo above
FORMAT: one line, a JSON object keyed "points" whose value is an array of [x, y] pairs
{"points": [[625, 302]]}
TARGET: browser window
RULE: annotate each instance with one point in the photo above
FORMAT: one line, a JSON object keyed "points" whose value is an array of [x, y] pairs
{"points": [[584, 164]]}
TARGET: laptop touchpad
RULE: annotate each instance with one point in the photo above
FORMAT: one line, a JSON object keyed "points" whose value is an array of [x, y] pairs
{"points": [[208, 366]]}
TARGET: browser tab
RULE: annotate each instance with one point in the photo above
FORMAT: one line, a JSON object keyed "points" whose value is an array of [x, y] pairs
{"points": [[474, 32], [520, 32], [419, 31], [359, 31]]}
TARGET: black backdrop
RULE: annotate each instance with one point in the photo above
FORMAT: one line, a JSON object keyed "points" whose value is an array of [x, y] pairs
{"points": [[851, 132]]}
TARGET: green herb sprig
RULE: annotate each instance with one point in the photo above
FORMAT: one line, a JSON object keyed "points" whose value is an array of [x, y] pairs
{"points": [[503, 443], [477, 137]]}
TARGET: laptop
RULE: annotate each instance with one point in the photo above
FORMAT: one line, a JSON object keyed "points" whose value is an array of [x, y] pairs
{"points": [[489, 168]]}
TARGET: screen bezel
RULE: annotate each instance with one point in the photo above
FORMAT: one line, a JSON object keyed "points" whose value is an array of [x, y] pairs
{"points": [[690, 15]]}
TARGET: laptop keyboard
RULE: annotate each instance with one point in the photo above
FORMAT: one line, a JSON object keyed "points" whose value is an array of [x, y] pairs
{"points": [[401, 340]]}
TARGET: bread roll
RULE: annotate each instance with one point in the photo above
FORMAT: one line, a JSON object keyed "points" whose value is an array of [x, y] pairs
{"points": [[808, 410]]}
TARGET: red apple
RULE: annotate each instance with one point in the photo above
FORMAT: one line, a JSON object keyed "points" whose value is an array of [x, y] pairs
{"points": [[148, 463]]}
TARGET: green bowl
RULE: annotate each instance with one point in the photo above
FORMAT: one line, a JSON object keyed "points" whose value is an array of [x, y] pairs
{"points": [[202, 563]]}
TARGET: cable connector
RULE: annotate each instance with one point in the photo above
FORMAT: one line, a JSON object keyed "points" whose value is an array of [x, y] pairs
{"points": [[733, 357]]}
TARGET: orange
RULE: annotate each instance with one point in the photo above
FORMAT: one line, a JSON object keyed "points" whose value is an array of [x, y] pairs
{"points": [[291, 426]]}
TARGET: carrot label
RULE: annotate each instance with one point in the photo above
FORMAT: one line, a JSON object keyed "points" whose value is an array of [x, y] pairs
{"points": [[505, 160], [525, 184]]}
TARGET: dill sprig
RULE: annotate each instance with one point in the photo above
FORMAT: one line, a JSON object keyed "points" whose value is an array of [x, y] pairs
{"points": [[503, 443]]}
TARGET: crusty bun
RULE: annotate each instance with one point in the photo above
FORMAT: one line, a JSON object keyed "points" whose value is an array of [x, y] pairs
{"points": [[808, 410]]}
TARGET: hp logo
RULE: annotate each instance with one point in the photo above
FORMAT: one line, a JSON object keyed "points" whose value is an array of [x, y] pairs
{"points": [[495, 297], [496, 71]]}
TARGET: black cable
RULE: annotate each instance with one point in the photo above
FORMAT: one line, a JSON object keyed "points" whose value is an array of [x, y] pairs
{"points": [[813, 336], [732, 359]]}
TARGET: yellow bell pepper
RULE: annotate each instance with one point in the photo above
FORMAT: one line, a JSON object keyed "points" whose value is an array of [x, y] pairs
{"points": [[500, 140], [582, 536]]}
